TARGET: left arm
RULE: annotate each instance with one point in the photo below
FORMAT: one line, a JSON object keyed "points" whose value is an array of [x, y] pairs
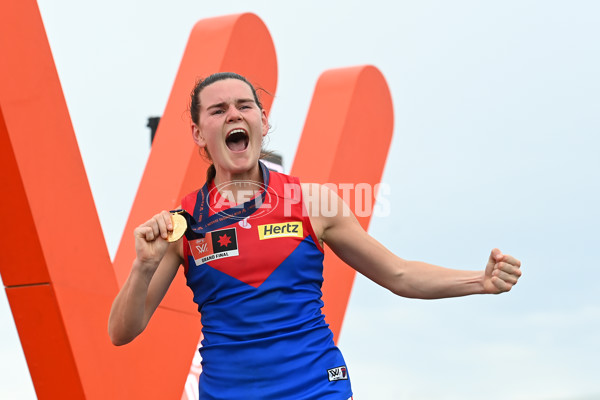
{"points": [[349, 241]]}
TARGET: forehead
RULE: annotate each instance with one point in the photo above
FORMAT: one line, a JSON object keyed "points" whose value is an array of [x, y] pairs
{"points": [[225, 91]]}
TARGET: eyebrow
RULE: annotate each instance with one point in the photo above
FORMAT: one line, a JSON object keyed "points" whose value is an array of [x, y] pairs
{"points": [[224, 103]]}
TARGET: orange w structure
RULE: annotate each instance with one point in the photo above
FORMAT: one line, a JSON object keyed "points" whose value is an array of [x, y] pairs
{"points": [[345, 142], [59, 279]]}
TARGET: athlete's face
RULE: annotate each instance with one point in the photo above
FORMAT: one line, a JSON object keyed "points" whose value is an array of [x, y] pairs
{"points": [[231, 126]]}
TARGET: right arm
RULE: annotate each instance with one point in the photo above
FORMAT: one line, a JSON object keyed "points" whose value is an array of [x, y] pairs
{"points": [[152, 272]]}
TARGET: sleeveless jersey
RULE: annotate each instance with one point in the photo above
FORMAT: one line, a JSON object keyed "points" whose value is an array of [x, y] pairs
{"points": [[257, 282]]}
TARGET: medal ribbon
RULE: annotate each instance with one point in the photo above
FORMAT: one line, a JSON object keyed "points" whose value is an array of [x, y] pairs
{"points": [[201, 222]]}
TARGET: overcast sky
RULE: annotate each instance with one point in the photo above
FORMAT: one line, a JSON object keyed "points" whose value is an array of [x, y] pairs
{"points": [[496, 138]]}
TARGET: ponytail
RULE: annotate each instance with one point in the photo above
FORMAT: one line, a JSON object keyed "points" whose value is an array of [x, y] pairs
{"points": [[211, 172]]}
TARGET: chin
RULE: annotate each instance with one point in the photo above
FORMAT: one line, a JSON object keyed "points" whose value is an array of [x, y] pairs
{"points": [[243, 165]]}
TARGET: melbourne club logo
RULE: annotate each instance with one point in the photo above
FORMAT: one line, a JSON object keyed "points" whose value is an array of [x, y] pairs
{"points": [[245, 224]]}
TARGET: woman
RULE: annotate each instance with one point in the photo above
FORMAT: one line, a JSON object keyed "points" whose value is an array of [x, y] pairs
{"points": [[253, 258]]}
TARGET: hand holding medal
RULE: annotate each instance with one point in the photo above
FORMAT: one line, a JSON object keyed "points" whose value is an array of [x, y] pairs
{"points": [[179, 227]]}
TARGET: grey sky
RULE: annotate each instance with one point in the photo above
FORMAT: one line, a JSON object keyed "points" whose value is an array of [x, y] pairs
{"points": [[497, 123]]}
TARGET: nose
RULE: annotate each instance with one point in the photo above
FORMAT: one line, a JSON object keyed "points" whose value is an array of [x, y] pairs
{"points": [[233, 114]]}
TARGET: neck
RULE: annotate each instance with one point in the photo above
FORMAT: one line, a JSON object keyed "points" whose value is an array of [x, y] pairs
{"points": [[248, 183]]}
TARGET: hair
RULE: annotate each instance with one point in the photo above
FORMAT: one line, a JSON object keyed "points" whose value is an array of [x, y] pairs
{"points": [[195, 105]]}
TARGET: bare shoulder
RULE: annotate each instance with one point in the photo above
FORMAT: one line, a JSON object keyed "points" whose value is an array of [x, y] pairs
{"points": [[326, 209]]}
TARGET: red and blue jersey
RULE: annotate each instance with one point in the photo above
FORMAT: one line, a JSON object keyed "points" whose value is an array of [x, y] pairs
{"points": [[256, 274]]}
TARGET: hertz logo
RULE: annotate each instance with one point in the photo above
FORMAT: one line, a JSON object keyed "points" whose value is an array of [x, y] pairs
{"points": [[285, 229]]}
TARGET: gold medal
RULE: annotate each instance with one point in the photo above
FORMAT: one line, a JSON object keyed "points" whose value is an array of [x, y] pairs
{"points": [[179, 227]]}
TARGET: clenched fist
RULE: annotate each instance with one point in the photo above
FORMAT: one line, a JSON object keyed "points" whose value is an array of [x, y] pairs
{"points": [[501, 273], [151, 239]]}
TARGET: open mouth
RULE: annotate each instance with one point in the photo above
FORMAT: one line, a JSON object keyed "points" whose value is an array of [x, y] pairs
{"points": [[237, 140]]}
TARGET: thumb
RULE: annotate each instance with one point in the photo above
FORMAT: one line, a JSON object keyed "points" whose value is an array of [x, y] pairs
{"points": [[489, 268], [496, 256]]}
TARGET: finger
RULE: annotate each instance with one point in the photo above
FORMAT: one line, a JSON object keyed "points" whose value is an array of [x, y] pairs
{"points": [[501, 285], [506, 277], [155, 229], [144, 232], [139, 232], [168, 220], [161, 223], [511, 260], [508, 268]]}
